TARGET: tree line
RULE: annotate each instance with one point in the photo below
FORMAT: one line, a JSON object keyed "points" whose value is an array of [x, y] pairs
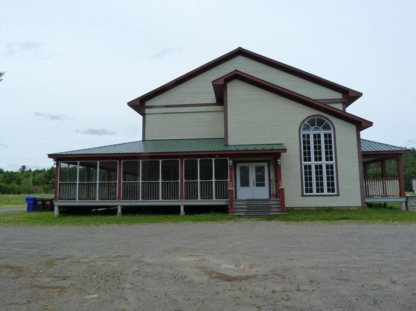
{"points": [[27, 181]]}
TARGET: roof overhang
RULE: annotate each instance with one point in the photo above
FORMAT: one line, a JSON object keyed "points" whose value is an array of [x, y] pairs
{"points": [[350, 94], [165, 154], [219, 85]]}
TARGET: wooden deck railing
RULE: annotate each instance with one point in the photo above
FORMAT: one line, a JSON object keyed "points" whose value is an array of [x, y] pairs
{"points": [[382, 187]]}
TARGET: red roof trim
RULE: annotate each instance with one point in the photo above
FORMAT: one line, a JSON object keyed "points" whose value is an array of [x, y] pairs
{"points": [[351, 94], [267, 86]]}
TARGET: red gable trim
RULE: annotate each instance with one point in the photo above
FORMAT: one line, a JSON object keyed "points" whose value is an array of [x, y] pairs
{"points": [[219, 86], [351, 94]]}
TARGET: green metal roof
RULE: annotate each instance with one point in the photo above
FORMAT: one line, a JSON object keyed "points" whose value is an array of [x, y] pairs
{"points": [[172, 146], [373, 146]]}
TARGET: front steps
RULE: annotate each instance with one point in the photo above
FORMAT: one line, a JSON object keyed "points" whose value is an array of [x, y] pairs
{"points": [[266, 207]]}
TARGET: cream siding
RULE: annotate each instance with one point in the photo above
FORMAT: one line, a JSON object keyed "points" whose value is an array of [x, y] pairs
{"points": [[199, 89], [256, 116], [338, 106], [184, 125]]}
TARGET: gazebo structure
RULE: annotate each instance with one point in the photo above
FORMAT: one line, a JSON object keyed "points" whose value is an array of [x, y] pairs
{"points": [[384, 189]]}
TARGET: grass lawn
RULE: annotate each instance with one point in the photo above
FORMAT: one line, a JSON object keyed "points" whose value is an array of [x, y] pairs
{"points": [[19, 199], [364, 215]]}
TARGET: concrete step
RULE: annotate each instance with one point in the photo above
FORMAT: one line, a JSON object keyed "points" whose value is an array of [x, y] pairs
{"points": [[256, 202], [257, 214]]}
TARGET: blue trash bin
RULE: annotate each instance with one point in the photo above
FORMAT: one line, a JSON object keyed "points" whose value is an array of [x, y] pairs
{"points": [[31, 203]]}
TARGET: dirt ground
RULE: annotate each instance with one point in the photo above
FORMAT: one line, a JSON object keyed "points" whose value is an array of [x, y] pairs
{"points": [[209, 266]]}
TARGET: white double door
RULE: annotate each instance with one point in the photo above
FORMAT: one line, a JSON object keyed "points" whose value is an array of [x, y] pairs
{"points": [[252, 180]]}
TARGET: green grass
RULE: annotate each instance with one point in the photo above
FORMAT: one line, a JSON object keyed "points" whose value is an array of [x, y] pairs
{"points": [[19, 199], [365, 215]]}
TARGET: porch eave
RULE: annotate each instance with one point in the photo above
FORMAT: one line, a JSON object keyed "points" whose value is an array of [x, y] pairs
{"points": [[61, 157]]}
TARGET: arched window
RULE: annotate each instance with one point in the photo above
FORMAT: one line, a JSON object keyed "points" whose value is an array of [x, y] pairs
{"points": [[318, 157]]}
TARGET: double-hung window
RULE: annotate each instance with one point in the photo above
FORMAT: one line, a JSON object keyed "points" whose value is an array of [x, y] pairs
{"points": [[318, 157]]}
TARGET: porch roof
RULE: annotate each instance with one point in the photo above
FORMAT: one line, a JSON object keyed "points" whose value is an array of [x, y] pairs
{"points": [[185, 146], [369, 146]]}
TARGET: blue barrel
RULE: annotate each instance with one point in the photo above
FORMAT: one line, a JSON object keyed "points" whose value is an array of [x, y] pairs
{"points": [[31, 203]]}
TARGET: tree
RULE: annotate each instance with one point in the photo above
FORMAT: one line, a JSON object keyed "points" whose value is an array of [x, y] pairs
{"points": [[22, 169], [26, 186], [1, 75]]}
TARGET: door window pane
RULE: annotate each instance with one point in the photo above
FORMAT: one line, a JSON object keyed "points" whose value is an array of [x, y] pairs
{"points": [[260, 176], [244, 176]]}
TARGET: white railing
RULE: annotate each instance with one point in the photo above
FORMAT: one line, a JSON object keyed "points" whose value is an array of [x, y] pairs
{"points": [[131, 190], [67, 191], [150, 190], [191, 190], [382, 187], [107, 190], [221, 189], [87, 191], [170, 190], [205, 189]]}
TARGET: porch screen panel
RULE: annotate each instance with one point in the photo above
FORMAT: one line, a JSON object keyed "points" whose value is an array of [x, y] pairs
{"points": [[170, 180], [191, 179], [107, 182], [318, 157], [150, 180], [131, 180], [206, 176], [221, 178], [87, 185], [67, 187]]}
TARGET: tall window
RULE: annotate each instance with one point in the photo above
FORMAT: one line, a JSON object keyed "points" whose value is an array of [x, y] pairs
{"points": [[318, 157]]}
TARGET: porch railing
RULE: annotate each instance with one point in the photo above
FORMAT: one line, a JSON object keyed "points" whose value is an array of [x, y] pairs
{"points": [[150, 190], [191, 190], [130, 190], [221, 189], [67, 191], [170, 190], [107, 191], [87, 191], [382, 187]]}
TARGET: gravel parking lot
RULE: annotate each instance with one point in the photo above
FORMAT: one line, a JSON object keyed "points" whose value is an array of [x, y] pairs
{"points": [[209, 266]]}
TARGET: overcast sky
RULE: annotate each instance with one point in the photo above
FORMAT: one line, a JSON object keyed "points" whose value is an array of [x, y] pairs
{"points": [[72, 66]]}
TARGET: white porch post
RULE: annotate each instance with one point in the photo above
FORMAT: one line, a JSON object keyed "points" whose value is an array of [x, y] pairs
{"points": [[56, 210]]}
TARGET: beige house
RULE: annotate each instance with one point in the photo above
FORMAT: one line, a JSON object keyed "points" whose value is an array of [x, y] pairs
{"points": [[244, 132]]}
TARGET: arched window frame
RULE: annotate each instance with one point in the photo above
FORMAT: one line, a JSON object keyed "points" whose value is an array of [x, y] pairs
{"points": [[318, 157]]}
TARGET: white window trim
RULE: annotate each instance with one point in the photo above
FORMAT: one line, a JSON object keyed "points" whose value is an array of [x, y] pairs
{"points": [[324, 162]]}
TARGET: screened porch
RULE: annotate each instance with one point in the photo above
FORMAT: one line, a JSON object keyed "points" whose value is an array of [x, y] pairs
{"points": [[143, 180]]}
